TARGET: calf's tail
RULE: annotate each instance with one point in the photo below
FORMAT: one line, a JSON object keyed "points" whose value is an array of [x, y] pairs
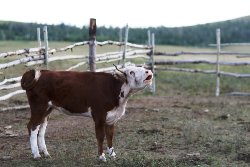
{"points": [[29, 79]]}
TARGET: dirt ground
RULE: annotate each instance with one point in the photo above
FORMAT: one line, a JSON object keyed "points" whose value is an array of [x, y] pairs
{"points": [[176, 130]]}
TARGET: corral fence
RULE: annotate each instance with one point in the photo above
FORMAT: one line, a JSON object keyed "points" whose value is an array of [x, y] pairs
{"points": [[128, 51], [216, 63], [44, 55]]}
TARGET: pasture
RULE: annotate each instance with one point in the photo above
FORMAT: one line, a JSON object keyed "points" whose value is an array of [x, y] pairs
{"points": [[182, 124]]}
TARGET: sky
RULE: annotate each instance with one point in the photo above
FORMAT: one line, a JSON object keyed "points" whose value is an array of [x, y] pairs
{"points": [[118, 13]]}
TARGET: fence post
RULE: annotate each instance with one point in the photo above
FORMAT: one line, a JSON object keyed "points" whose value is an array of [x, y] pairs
{"points": [[120, 38], [125, 46], [153, 87], [92, 44], [39, 38], [46, 45], [149, 38], [218, 42]]}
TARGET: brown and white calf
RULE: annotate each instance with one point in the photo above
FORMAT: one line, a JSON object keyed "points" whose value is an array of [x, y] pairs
{"points": [[102, 96]]}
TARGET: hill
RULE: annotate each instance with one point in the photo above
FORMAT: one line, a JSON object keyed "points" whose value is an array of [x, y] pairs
{"points": [[236, 30]]}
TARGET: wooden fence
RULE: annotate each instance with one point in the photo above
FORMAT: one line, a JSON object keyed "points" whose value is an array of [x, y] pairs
{"points": [[217, 63], [42, 55]]}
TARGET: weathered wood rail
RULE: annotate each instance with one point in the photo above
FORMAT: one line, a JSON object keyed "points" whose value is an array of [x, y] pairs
{"points": [[176, 62], [22, 51], [200, 53], [189, 70]]}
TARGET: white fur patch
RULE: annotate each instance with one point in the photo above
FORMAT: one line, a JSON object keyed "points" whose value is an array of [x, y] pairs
{"points": [[114, 115], [61, 109], [50, 103], [41, 138], [102, 157], [111, 152], [33, 142], [37, 74], [87, 114]]}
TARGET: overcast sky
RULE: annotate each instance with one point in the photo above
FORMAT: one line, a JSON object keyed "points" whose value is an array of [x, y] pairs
{"points": [[137, 13]]}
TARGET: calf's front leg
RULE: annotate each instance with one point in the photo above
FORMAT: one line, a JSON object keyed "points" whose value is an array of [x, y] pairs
{"points": [[100, 134], [109, 130]]}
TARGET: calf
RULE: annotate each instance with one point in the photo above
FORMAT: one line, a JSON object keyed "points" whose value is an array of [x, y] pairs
{"points": [[101, 96]]}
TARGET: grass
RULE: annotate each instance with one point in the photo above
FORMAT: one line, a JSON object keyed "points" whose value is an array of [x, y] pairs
{"points": [[181, 125], [162, 131]]}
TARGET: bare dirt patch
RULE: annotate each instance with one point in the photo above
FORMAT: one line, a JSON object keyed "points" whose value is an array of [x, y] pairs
{"points": [[163, 131]]}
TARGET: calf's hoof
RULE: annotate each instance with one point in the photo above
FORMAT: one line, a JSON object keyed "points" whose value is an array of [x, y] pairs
{"points": [[102, 158], [111, 153], [47, 155], [37, 156]]}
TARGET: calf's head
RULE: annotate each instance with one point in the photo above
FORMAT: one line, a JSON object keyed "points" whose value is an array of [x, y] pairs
{"points": [[137, 77]]}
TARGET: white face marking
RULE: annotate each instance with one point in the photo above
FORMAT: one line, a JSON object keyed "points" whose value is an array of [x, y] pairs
{"points": [[33, 142], [37, 74], [136, 77], [41, 138]]}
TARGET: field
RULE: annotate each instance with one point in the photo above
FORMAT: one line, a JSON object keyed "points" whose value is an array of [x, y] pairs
{"points": [[182, 124]]}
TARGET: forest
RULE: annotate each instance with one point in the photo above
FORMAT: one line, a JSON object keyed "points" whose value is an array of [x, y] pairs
{"points": [[236, 30]]}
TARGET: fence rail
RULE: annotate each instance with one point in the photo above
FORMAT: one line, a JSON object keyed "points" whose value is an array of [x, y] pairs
{"points": [[199, 53], [22, 60], [22, 51], [231, 44], [203, 71], [176, 62]]}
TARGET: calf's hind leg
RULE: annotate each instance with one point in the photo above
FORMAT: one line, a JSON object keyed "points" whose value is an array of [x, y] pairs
{"points": [[41, 134], [37, 127], [33, 129], [41, 138]]}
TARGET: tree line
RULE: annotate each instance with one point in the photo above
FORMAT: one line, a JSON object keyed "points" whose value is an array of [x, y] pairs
{"points": [[237, 30]]}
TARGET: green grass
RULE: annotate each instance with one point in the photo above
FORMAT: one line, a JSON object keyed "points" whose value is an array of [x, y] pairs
{"points": [[201, 84]]}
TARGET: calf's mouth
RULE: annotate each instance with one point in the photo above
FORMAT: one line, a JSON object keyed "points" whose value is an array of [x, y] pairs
{"points": [[148, 79]]}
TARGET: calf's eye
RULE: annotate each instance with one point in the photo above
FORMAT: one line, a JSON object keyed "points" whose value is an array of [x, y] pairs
{"points": [[132, 73]]}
